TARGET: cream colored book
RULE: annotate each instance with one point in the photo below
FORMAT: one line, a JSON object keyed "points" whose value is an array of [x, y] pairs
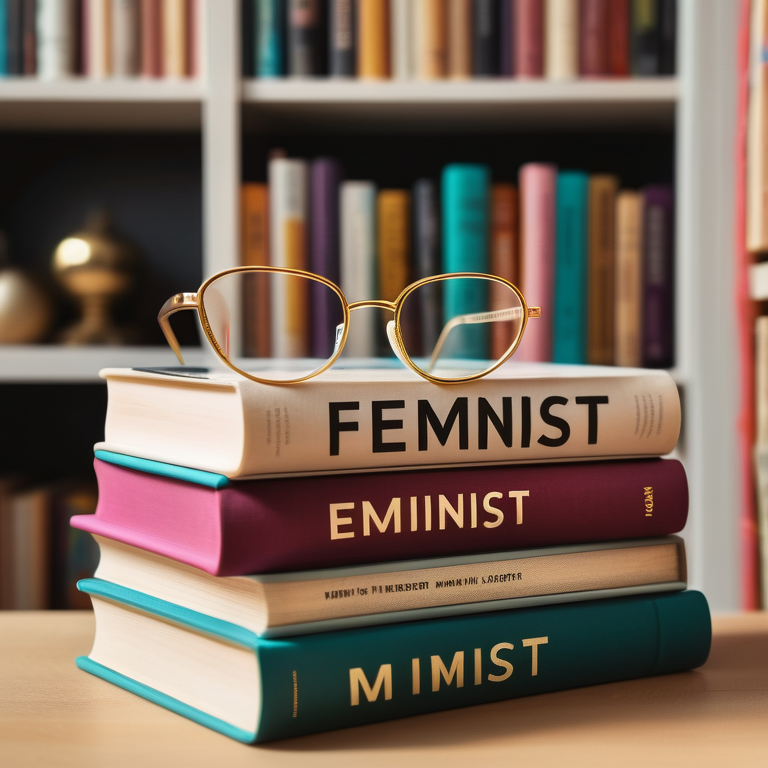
{"points": [[628, 328], [363, 418], [430, 39], [274, 605], [757, 131], [561, 39], [174, 26], [402, 14]]}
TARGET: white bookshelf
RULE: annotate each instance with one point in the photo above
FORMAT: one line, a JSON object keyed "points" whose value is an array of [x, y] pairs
{"points": [[698, 105]]}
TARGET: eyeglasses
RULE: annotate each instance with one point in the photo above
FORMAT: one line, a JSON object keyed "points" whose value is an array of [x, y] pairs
{"points": [[447, 328]]}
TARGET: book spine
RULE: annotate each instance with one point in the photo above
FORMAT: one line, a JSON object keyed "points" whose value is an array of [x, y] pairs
{"points": [[358, 262], [4, 33], [485, 40], [254, 242], [15, 38], [325, 179], [342, 38], [602, 269], [644, 38], [668, 37], [403, 18], [98, 41], [431, 30], [191, 46], [538, 184], [366, 675], [465, 217], [593, 38], [270, 53], [529, 38], [757, 128], [303, 38], [426, 243], [247, 39], [394, 239], [459, 39], [561, 43], [151, 38], [504, 256], [629, 278], [373, 39], [30, 35], [55, 39], [570, 307], [174, 38], [30, 548], [658, 261], [126, 37], [618, 38], [289, 296]]}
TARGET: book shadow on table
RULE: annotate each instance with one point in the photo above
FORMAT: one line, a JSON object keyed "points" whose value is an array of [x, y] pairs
{"points": [[697, 695]]}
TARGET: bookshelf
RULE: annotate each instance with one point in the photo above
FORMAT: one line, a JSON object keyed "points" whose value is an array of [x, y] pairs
{"points": [[696, 109]]}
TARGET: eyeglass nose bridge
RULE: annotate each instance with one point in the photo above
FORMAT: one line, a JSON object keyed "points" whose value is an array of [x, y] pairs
{"points": [[380, 303]]}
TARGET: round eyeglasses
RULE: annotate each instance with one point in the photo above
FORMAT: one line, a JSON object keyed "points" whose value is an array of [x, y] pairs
{"points": [[447, 328]]}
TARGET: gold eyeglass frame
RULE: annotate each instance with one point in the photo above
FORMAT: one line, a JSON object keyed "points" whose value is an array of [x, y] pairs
{"points": [[182, 301]]}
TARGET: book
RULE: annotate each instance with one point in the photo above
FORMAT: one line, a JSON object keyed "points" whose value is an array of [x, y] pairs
{"points": [[363, 418], [538, 189], [465, 217], [325, 176], [4, 71], [342, 44], [504, 255], [126, 38], [459, 39], [394, 241], [254, 244], [303, 38], [192, 10], [252, 526], [402, 24], [485, 39], [569, 323], [507, 38], [529, 38], [658, 277], [305, 602], [668, 37], [757, 130], [98, 39], [602, 269], [760, 451], [426, 259], [14, 38], [270, 48], [618, 38], [289, 296], [430, 38], [358, 267], [561, 40], [251, 689], [644, 38], [55, 39], [174, 45], [152, 38], [30, 21], [628, 333], [247, 39], [373, 39], [594, 43]]}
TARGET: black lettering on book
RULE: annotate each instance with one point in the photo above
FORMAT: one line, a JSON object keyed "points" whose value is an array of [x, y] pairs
{"points": [[336, 426], [525, 423], [592, 401], [379, 424], [503, 425], [554, 421], [428, 418]]}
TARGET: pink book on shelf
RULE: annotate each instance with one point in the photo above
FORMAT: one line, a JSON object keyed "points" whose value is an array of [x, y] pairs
{"points": [[151, 38], [537, 185], [529, 38]]}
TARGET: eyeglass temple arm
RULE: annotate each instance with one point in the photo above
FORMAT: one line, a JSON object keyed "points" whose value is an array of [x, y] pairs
{"points": [[175, 304], [492, 316]]}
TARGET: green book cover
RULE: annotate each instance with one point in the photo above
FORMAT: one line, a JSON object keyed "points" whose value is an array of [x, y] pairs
{"points": [[351, 677]]}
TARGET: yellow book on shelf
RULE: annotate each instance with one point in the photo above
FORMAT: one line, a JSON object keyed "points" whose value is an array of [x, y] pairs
{"points": [[174, 25], [629, 278], [431, 40], [394, 236], [373, 39], [254, 246]]}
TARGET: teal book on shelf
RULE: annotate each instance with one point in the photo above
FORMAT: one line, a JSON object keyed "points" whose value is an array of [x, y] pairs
{"points": [[269, 48], [3, 38], [255, 689], [571, 265], [465, 214]]}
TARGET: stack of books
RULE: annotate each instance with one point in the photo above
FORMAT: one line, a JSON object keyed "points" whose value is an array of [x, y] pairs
{"points": [[459, 39], [601, 257], [282, 560]]}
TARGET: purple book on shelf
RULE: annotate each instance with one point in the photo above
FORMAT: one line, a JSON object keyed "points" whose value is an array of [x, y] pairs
{"points": [[325, 178], [507, 38], [658, 277]]}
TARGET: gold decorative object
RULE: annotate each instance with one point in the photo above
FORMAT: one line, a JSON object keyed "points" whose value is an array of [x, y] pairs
{"points": [[97, 267], [25, 308]]}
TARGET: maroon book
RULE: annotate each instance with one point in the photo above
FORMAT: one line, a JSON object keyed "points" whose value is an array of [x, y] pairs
{"points": [[263, 526], [593, 38], [618, 38]]}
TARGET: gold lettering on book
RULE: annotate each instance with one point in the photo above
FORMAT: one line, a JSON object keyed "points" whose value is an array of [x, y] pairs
{"points": [[533, 643], [369, 514], [499, 662], [295, 694], [416, 676], [439, 670], [518, 497], [336, 521], [358, 680], [648, 495], [478, 666]]}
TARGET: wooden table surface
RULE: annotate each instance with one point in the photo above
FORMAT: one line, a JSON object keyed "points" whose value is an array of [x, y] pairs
{"points": [[52, 714]]}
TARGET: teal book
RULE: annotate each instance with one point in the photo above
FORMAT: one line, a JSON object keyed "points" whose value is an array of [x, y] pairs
{"points": [[571, 263], [255, 689], [3, 38], [465, 216], [270, 38]]}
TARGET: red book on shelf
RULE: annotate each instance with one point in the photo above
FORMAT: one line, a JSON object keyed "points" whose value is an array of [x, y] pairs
{"points": [[593, 38], [618, 38], [151, 39], [264, 526], [529, 38]]}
